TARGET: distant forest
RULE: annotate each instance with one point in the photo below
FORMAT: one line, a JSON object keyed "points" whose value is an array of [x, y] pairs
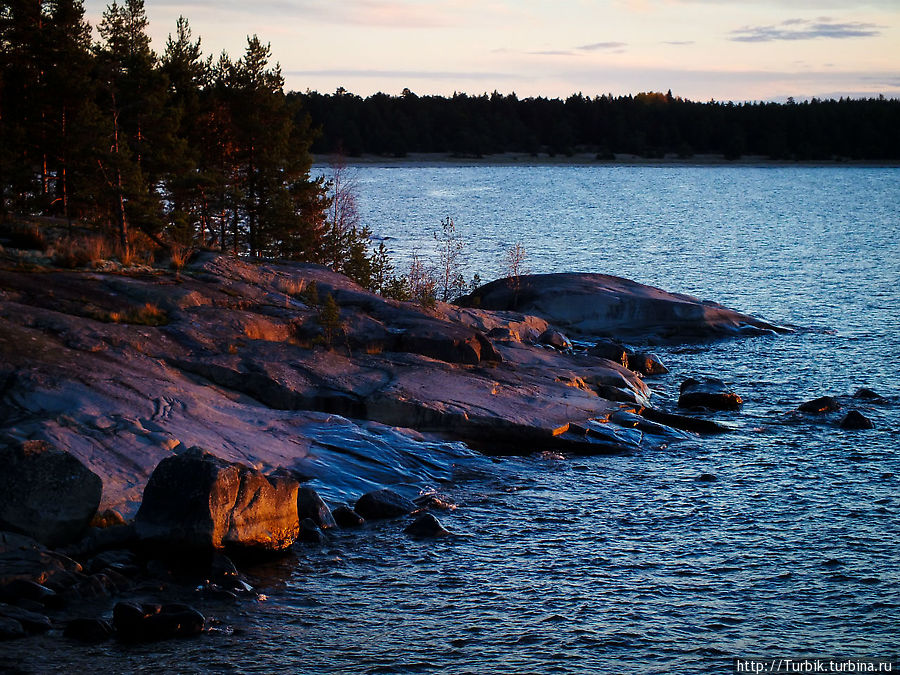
{"points": [[650, 125]]}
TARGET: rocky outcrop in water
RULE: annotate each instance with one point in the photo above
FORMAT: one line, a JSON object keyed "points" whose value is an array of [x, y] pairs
{"points": [[603, 305], [383, 504], [426, 526], [708, 392], [855, 420]]}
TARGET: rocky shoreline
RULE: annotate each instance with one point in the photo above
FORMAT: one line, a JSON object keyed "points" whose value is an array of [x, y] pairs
{"points": [[156, 425]]}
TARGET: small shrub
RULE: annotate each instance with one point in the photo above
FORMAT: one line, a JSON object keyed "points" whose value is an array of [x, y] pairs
{"points": [[329, 318], [148, 315], [79, 252], [292, 287], [311, 294], [397, 288], [180, 255]]}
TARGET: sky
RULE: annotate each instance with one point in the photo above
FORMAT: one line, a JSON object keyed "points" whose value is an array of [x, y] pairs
{"points": [[727, 50]]}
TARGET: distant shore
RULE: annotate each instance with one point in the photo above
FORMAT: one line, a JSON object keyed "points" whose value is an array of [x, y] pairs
{"points": [[587, 159]]}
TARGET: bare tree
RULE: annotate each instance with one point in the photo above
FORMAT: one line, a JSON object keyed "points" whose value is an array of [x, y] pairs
{"points": [[514, 268], [451, 249], [343, 214], [421, 281]]}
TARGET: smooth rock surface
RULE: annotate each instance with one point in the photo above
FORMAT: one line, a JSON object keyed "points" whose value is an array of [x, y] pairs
{"points": [[599, 304], [197, 500]]}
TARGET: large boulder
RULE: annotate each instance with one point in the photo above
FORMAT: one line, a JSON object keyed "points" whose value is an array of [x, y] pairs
{"points": [[46, 493], [196, 500], [708, 392], [603, 305]]}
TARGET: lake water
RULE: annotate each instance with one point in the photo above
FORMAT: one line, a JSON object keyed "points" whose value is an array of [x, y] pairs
{"points": [[630, 564]]}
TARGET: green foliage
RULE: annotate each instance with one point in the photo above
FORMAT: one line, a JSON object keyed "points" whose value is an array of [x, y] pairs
{"points": [[188, 150], [310, 294], [329, 318], [381, 270]]}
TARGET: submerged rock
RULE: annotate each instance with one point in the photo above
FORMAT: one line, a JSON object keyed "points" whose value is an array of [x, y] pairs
{"points": [[150, 622], [309, 532], [10, 629], [426, 526], [88, 630], [32, 622], [867, 394], [310, 505], [823, 404], [708, 392], [46, 493], [346, 517], [856, 420], [382, 504], [197, 501]]}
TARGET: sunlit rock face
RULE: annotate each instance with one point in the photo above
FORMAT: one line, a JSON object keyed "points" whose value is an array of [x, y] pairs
{"points": [[602, 305], [196, 500]]}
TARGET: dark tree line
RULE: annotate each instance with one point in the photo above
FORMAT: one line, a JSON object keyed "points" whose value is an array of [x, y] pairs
{"points": [[650, 125], [183, 148]]}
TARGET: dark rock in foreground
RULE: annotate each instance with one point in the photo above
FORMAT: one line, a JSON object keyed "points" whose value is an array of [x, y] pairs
{"points": [[426, 526], [150, 623], [46, 493], [856, 420], [823, 404], [347, 517], [88, 630], [10, 629], [639, 362], [32, 622], [197, 501], [310, 505], [382, 504], [708, 392], [867, 394], [310, 532]]}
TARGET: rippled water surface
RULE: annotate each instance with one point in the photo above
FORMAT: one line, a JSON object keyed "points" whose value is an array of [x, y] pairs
{"points": [[631, 564]]}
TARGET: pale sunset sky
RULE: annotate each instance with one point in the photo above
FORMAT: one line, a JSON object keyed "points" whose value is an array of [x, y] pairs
{"points": [[738, 50]]}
